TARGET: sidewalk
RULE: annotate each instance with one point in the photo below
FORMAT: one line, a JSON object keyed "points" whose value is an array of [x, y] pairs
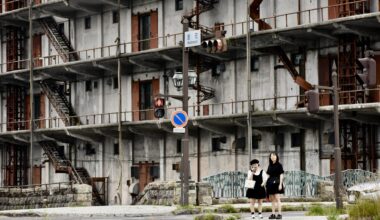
{"points": [[137, 211]]}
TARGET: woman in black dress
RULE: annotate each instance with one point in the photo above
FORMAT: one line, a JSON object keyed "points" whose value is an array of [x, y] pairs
{"points": [[257, 193], [275, 185]]}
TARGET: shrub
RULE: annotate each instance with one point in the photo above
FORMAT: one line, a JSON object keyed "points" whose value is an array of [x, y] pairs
{"points": [[227, 209], [319, 210], [364, 209]]}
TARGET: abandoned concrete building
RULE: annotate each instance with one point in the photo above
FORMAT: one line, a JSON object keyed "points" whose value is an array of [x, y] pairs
{"points": [[69, 101]]}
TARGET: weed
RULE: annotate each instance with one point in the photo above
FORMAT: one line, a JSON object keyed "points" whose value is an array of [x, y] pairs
{"points": [[365, 208], [227, 209]]}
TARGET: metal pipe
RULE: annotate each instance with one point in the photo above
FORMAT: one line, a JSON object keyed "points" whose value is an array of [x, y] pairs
{"points": [[121, 153], [249, 114], [31, 96], [337, 153], [185, 140]]}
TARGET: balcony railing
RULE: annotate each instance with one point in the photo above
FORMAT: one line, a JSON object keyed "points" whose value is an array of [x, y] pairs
{"points": [[292, 19], [282, 103]]}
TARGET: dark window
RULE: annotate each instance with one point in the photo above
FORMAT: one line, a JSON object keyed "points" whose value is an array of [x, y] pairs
{"points": [[296, 139], [154, 171], [95, 84], [331, 139], [61, 151], [178, 5], [87, 22], [240, 143], [115, 83], [279, 139], [61, 28], [88, 86], [144, 30], [179, 146], [116, 149], [215, 143], [297, 59], [145, 98], [89, 149], [135, 172], [254, 63], [37, 109], [255, 141], [115, 17]]}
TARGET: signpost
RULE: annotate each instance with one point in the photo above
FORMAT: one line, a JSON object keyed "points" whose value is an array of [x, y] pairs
{"points": [[179, 120], [192, 38]]}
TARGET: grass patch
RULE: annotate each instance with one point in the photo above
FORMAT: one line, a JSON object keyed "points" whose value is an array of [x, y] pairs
{"points": [[208, 216], [227, 208], [234, 217], [187, 210], [319, 210], [365, 209], [285, 208]]}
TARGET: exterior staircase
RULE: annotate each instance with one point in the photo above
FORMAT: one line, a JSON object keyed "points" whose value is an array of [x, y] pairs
{"points": [[204, 5], [58, 39], [58, 99], [63, 165], [288, 64]]}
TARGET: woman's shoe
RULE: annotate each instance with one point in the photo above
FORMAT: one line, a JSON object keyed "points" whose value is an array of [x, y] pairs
{"points": [[279, 216], [272, 216]]}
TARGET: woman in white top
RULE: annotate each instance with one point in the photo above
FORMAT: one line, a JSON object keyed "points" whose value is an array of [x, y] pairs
{"points": [[257, 193]]}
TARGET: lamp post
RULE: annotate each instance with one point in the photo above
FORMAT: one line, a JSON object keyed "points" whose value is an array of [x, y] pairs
{"points": [[185, 140], [337, 153]]}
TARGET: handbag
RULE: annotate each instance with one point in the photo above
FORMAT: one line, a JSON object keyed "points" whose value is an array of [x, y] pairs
{"points": [[249, 184]]}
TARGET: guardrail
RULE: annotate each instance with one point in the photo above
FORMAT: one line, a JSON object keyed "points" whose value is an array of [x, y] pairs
{"points": [[284, 103], [291, 19], [297, 183]]}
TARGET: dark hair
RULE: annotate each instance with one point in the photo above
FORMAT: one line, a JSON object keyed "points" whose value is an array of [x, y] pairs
{"points": [[254, 161], [277, 158]]}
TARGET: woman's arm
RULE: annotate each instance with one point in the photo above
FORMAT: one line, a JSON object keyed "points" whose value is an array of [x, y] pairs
{"points": [[265, 178], [281, 181]]}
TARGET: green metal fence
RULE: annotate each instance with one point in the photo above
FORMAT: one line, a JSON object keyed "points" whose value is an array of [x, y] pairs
{"points": [[297, 183]]}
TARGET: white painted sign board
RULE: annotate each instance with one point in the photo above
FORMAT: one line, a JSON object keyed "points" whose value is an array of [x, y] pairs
{"points": [[192, 38]]}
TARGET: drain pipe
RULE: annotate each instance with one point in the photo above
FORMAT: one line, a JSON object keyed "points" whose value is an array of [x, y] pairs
{"points": [[31, 124]]}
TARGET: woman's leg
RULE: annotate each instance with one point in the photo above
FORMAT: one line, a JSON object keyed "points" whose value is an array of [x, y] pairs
{"points": [[272, 199], [278, 200], [252, 207], [260, 205]]}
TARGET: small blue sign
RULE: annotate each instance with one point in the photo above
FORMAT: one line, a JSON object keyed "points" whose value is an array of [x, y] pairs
{"points": [[179, 119]]}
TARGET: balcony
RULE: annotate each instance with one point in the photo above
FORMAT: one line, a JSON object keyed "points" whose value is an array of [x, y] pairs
{"points": [[267, 112]]}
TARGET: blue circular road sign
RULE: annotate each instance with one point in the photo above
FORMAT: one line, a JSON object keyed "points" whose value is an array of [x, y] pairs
{"points": [[179, 119]]}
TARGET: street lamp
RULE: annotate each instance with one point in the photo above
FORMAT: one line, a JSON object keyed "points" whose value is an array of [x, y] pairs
{"points": [[178, 79]]}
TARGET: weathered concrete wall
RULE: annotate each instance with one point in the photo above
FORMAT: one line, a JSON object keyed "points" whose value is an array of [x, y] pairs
{"points": [[42, 197], [169, 193]]}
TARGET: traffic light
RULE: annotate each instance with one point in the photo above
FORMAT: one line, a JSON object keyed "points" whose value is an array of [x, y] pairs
{"points": [[369, 71], [312, 101], [215, 45], [159, 110]]}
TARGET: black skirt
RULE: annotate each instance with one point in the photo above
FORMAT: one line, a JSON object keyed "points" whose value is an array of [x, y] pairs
{"points": [[256, 193], [272, 186]]}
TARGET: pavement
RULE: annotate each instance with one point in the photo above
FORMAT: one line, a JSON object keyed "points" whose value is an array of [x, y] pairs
{"points": [[141, 212]]}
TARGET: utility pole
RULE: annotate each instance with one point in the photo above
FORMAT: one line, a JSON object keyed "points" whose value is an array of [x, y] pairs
{"points": [[31, 91], [185, 157], [249, 114], [337, 153], [121, 153]]}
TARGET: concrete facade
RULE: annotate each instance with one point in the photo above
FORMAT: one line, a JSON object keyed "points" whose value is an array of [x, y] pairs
{"points": [[269, 80]]}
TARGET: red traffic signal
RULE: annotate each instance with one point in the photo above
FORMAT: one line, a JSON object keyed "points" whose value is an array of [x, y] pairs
{"points": [[215, 45], [159, 110], [369, 71], [312, 101]]}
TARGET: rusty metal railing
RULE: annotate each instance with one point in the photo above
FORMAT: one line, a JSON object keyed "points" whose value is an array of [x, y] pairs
{"points": [[286, 20], [283, 103]]}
